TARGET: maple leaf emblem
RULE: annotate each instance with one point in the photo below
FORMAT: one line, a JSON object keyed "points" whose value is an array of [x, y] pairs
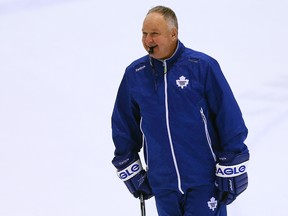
{"points": [[182, 82], [212, 204]]}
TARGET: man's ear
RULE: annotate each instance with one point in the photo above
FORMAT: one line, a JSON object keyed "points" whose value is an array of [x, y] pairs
{"points": [[174, 34]]}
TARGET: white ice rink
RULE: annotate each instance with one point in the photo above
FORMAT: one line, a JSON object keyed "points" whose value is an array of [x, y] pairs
{"points": [[61, 62]]}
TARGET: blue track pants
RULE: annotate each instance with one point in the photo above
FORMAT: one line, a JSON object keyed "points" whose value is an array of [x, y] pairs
{"points": [[199, 201]]}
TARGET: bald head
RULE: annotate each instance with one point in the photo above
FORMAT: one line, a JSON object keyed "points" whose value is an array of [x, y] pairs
{"points": [[167, 13]]}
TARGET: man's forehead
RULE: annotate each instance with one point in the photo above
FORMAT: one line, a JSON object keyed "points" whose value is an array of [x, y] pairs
{"points": [[153, 21], [154, 17]]}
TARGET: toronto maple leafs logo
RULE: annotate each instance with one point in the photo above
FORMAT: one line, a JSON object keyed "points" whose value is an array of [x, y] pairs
{"points": [[182, 82], [212, 203]]}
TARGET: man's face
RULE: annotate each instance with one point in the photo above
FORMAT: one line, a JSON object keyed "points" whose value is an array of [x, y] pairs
{"points": [[157, 35]]}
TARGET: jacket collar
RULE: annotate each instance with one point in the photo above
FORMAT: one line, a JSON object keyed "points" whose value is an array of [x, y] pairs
{"points": [[170, 61]]}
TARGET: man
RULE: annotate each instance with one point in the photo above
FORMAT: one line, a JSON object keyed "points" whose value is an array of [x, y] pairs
{"points": [[177, 104]]}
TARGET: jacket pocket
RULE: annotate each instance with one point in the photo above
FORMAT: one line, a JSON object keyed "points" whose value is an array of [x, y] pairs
{"points": [[207, 133]]}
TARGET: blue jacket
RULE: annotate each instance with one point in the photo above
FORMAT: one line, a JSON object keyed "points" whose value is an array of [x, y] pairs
{"points": [[183, 112]]}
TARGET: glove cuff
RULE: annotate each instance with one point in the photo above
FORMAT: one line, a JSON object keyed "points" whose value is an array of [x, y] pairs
{"points": [[123, 161], [130, 171], [231, 171]]}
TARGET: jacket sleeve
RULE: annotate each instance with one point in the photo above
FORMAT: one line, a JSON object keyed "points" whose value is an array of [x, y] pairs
{"points": [[126, 133], [224, 108]]}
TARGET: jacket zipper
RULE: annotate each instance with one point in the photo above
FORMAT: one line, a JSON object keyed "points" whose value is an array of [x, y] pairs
{"points": [[168, 129], [207, 133]]}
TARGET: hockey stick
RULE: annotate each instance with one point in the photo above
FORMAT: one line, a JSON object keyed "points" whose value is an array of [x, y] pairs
{"points": [[142, 205]]}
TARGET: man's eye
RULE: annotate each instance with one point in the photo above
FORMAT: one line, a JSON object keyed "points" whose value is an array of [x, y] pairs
{"points": [[152, 34]]}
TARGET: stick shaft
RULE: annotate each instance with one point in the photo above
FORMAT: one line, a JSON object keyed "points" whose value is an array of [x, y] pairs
{"points": [[142, 205]]}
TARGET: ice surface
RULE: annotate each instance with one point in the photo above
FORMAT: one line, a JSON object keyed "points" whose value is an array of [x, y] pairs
{"points": [[60, 66]]}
